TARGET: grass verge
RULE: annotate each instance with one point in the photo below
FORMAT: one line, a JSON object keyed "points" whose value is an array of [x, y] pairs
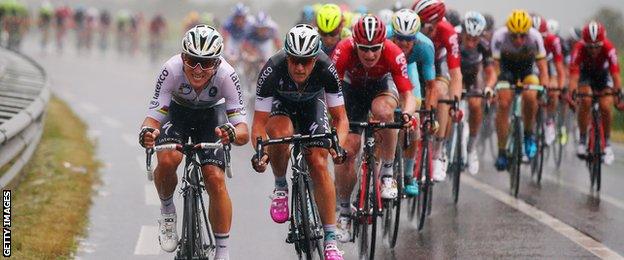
{"points": [[51, 203]]}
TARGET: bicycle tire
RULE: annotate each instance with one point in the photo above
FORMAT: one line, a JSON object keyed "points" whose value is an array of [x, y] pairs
{"points": [[598, 155], [559, 145], [537, 163], [302, 195], [456, 166], [375, 206], [363, 220], [516, 158], [423, 198], [392, 208]]}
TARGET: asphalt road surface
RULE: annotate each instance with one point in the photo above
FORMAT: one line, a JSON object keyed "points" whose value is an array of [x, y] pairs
{"points": [[560, 219]]}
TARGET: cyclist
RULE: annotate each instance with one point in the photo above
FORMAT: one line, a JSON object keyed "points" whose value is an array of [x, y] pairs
{"points": [[79, 26], [516, 48], [568, 44], [589, 74], [307, 15], [477, 64], [91, 25], [191, 19], [123, 30], [157, 34], [295, 89], [454, 18], [448, 72], [420, 53], [374, 75], [261, 39], [330, 23], [46, 13], [489, 28], [386, 16], [234, 31], [104, 28], [62, 16], [197, 95], [554, 55]]}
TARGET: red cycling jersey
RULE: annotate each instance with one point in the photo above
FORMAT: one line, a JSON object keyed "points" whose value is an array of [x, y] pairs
{"points": [[582, 61], [554, 52], [392, 61], [445, 42]]}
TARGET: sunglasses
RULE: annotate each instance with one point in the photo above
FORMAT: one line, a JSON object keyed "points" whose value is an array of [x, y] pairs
{"points": [[518, 35], [593, 45], [371, 48], [301, 60], [404, 38], [333, 33], [204, 64]]}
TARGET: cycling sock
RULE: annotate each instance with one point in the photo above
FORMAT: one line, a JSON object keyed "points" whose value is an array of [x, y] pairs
{"points": [[330, 234], [471, 143], [281, 183], [222, 251], [386, 168], [408, 168], [345, 206], [437, 148], [166, 206]]}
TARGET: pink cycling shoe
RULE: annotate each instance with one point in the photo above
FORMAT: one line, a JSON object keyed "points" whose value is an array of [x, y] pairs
{"points": [[332, 252], [279, 206]]}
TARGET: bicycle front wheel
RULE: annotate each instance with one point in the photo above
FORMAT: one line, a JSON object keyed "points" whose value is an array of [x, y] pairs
{"points": [[516, 158], [305, 213]]}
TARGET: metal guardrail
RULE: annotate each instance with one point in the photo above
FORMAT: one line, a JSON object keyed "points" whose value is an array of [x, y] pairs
{"points": [[24, 94]]}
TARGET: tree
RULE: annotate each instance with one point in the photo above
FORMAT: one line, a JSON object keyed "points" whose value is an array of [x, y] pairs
{"points": [[613, 20]]}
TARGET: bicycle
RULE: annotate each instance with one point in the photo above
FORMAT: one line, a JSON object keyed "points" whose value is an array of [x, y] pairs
{"points": [[368, 201], [561, 130], [514, 139], [193, 244], [596, 142], [305, 229], [420, 206], [457, 147]]}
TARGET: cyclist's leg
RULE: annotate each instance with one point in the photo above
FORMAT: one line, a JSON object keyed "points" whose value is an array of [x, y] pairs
{"points": [[475, 118], [529, 104], [382, 109], [584, 115], [279, 125], [606, 103], [442, 115], [504, 100]]}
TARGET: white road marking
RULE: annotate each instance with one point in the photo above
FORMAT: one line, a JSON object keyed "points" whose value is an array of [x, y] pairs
{"points": [[585, 190], [562, 228], [151, 196], [111, 122], [89, 107], [147, 244]]}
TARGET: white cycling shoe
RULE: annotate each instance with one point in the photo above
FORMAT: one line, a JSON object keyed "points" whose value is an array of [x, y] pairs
{"points": [[439, 169], [473, 162], [389, 188], [167, 235], [581, 150], [609, 157], [343, 229]]}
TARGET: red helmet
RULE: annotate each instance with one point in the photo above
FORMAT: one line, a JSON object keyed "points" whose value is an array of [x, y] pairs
{"points": [[594, 33], [369, 30], [429, 10], [540, 24]]}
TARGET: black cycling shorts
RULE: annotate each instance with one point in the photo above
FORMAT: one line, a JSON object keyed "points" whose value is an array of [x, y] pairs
{"points": [[358, 99], [308, 117], [198, 124], [598, 80]]}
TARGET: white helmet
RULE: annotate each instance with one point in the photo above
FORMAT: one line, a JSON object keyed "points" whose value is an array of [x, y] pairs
{"points": [[302, 41], [385, 15], [553, 26], [406, 22], [474, 23], [202, 41]]}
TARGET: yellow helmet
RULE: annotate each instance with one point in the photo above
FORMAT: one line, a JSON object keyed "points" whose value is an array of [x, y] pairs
{"points": [[519, 21], [328, 18]]}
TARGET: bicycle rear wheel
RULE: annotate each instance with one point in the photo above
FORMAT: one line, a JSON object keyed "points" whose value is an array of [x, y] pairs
{"points": [[425, 184], [392, 208], [559, 144], [537, 163], [457, 163]]}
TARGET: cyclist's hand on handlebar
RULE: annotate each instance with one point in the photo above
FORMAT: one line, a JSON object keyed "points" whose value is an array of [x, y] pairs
{"points": [[260, 165], [338, 158], [409, 121], [226, 132], [488, 92], [147, 137], [619, 100]]}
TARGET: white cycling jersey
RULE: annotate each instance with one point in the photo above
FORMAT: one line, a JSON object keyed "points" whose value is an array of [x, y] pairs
{"points": [[172, 84]]}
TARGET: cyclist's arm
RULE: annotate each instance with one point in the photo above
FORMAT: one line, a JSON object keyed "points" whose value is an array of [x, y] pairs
{"points": [[614, 67], [150, 122], [540, 58], [264, 101], [490, 80], [558, 59], [159, 104], [542, 66], [453, 59], [575, 64], [258, 127], [340, 121], [235, 106], [456, 82], [412, 72]]}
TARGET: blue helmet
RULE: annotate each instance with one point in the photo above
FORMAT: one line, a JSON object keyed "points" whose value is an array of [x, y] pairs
{"points": [[240, 9], [307, 13]]}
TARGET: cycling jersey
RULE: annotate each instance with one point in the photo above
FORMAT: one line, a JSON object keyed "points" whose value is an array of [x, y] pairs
{"points": [[446, 43], [344, 33], [254, 37], [594, 70], [351, 70], [274, 82], [172, 84], [517, 62], [472, 63], [236, 33], [554, 50], [420, 62]]}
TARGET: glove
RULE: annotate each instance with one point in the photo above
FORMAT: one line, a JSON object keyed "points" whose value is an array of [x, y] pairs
{"points": [[488, 92], [145, 130], [230, 130], [255, 163]]}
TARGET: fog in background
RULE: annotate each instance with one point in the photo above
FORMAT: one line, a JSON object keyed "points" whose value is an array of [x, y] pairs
{"points": [[568, 12]]}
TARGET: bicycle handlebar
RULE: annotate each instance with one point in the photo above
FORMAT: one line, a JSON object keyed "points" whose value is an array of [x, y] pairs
{"points": [[186, 148]]}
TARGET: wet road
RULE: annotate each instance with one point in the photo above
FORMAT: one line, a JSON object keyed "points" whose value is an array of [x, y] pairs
{"points": [[558, 220]]}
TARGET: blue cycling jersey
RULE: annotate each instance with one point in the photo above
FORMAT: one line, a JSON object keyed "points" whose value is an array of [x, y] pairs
{"points": [[420, 62], [237, 33]]}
